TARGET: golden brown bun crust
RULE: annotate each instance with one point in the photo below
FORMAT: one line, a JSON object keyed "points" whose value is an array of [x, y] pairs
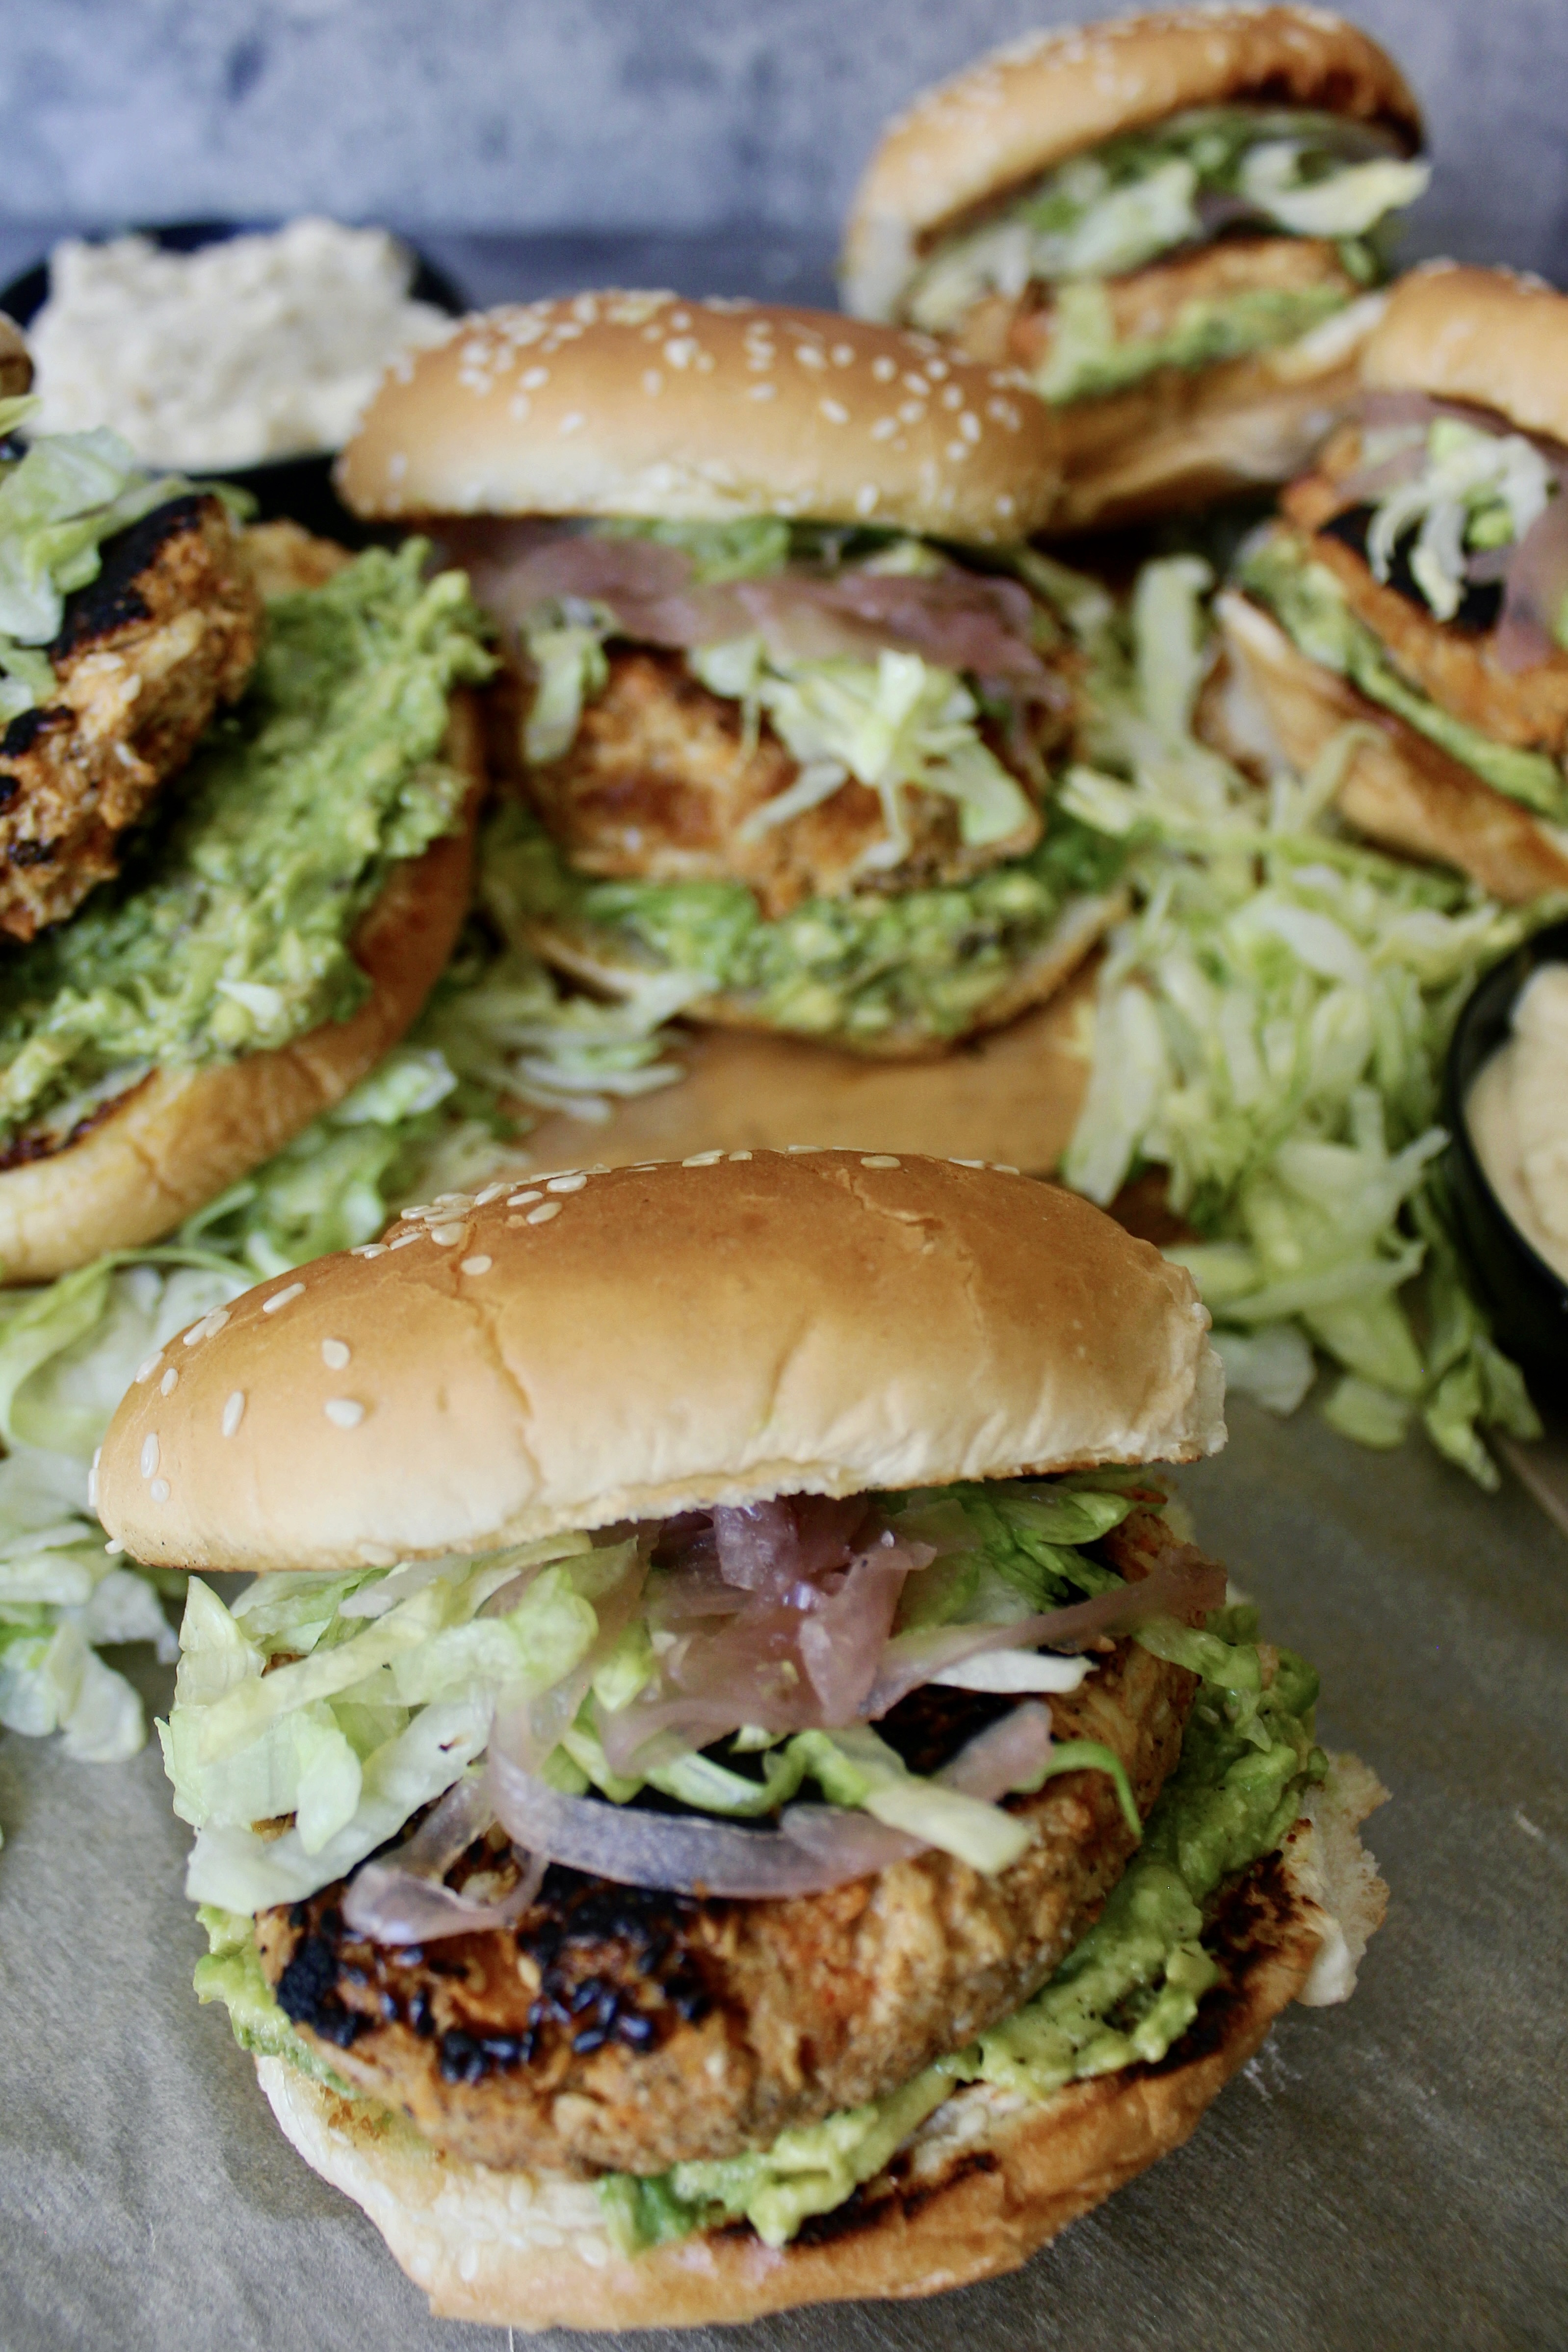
{"points": [[820, 1322], [15, 361], [1081, 924], [1489, 336], [631, 404], [1189, 435], [1398, 788], [176, 1140], [1017, 111], [983, 2187]]}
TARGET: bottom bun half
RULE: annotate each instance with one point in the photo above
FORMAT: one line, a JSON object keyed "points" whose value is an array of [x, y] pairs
{"points": [[178, 1139], [1396, 787], [590, 955], [986, 2182], [1189, 435]]}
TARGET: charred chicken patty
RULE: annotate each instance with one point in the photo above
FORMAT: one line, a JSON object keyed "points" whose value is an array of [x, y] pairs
{"points": [[622, 2031], [165, 634], [664, 783]]}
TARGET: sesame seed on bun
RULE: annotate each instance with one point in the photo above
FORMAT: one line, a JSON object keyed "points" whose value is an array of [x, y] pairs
{"points": [[646, 403]]}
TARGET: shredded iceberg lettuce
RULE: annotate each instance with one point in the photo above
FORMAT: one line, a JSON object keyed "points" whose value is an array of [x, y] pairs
{"points": [[897, 723], [307, 1713], [1269, 1031], [570, 669], [1475, 490]]}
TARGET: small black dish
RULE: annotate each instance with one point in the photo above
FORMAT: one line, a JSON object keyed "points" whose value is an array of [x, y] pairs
{"points": [[297, 489], [1528, 1300]]}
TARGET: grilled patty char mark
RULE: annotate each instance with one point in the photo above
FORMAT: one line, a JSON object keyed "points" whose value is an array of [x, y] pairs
{"points": [[147, 651], [623, 2031], [660, 780]]}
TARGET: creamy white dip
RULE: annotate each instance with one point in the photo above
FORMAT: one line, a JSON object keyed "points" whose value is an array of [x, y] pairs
{"points": [[263, 346], [1517, 1113]]}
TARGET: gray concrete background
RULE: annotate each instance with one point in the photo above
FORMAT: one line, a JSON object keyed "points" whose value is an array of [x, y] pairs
{"points": [[672, 120]]}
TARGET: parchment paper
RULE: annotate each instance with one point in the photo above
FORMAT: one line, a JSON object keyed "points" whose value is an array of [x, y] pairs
{"points": [[1390, 2175]]}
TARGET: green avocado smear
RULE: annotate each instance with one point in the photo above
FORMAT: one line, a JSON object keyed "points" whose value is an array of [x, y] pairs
{"points": [[1308, 602], [1126, 1993], [855, 968], [228, 930]]}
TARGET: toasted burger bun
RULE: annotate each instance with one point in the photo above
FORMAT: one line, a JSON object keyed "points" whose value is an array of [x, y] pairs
{"points": [[1398, 787], [660, 1337], [590, 955], [154, 1155], [987, 2181], [1188, 435], [15, 363], [1016, 112], [1488, 336], [630, 404]]}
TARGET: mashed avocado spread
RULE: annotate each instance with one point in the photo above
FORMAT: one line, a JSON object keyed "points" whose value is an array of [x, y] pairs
{"points": [[1306, 600], [854, 967], [1125, 1993], [228, 930], [1086, 361]]}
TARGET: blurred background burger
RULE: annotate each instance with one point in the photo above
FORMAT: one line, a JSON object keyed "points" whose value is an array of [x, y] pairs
{"points": [[785, 707], [1171, 222]]}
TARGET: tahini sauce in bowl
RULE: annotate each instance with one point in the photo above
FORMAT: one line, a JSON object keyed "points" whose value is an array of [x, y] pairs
{"points": [[1517, 1114], [259, 346]]}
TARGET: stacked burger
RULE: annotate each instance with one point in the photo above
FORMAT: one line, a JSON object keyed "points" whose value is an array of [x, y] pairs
{"points": [[1175, 224], [736, 1790], [1413, 588], [784, 706]]}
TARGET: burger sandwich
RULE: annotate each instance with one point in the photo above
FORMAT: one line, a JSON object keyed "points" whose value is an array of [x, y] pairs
{"points": [[1174, 224], [768, 1809], [236, 777], [1407, 613], [784, 709]]}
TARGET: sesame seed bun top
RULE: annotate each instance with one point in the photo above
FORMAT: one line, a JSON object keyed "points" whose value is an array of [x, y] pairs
{"points": [[626, 404], [600, 1345], [1488, 336], [1019, 110]]}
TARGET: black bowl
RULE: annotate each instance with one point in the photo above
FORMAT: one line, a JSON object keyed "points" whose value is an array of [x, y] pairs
{"points": [[298, 490], [1529, 1302]]}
